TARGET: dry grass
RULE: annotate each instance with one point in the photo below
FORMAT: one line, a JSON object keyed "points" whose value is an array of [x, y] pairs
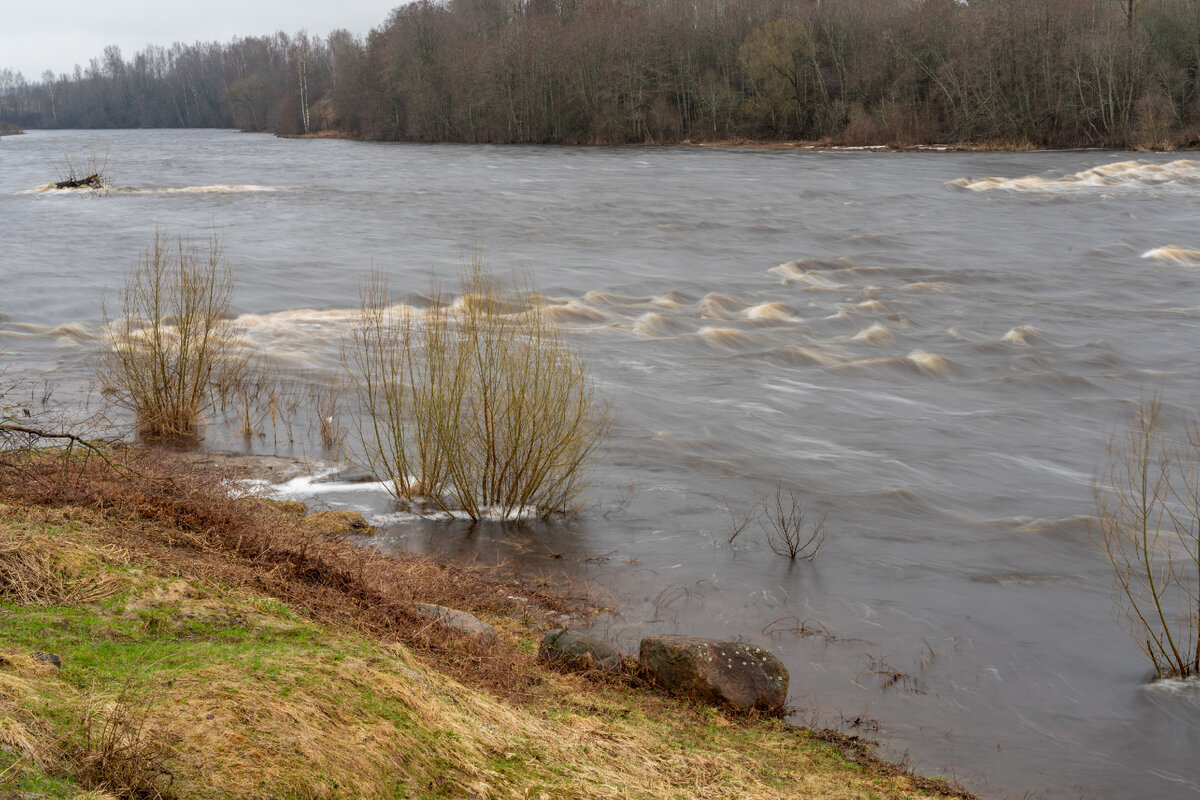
{"points": [[121, 753], [303, 673], [151, 503], [173, 351], [38, 570], [480, 406]]}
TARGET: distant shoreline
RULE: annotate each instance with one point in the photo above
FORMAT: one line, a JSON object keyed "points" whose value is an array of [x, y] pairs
{"points": [[767, 144]]}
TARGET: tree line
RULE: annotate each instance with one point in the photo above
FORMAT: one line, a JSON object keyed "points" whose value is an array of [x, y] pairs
{"points": [[1050, 73]]}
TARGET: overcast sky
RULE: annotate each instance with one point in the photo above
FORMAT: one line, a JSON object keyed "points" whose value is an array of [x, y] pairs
{"points": [[40, 35]]}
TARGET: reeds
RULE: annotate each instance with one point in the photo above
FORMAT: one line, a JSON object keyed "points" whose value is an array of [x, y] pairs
{"points": [[479, 407], [173, 351]]}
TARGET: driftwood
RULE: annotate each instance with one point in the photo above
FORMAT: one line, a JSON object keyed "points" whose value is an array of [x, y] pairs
{"points": [[90, 182]]}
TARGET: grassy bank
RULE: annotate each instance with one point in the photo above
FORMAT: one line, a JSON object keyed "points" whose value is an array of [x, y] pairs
{"points": [[162, 639]]}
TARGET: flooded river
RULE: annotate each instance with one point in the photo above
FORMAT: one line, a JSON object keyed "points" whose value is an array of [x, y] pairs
{"points": [[932, 347]]}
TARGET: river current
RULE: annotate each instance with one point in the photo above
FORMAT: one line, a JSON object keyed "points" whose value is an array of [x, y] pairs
{"points": [[934, 348]]}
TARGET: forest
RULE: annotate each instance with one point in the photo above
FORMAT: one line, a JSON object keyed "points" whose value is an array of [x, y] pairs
{"points": [[984, 73]]}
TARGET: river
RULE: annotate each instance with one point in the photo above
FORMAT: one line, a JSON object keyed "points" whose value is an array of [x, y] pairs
{"points": [[934, 348]]}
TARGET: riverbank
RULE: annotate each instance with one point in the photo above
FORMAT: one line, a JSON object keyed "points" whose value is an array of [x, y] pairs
{"points": [[822, 145], [163, 639]]}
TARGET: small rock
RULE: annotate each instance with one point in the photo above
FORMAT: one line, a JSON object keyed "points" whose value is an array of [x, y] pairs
{"points": [[578, 650], [459, 621], [742, 676], [49, 658]]}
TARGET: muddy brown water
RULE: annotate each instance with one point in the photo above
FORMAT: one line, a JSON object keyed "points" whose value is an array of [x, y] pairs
{"points": [[934, 347]]}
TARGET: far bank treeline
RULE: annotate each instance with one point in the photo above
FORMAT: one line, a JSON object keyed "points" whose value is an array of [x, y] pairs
{"points": [[1054, 73]]}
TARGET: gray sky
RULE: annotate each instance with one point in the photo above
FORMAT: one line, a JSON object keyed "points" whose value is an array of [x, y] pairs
{"points": [[40, 35]]}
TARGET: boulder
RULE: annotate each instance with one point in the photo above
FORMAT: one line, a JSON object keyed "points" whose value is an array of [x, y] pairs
{"points": [[459, 621], [736, 674], [578, 650], [49, 658]]}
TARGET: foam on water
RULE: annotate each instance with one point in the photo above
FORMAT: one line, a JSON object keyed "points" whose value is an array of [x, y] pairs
{"points": [[725, 338], [1022, 334], [876, 334], [576, 313], [50, 188], [1120, 175], [655, 325], [770, 311], [719, 306], [1173, 254]]}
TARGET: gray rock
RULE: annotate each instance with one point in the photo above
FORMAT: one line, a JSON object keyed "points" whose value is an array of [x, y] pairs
{"points": [[739, 675], [50, 658], [459, 621], [578, 650]]}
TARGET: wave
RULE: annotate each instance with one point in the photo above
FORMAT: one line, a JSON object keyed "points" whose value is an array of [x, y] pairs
{"points": [[803, 271], [720, 306], [1022, 334], [926, 286], [654, 325], [69, 333], [1118, 175], [726, 338], [670, 300], [220, 188], [773, 312], [876, 334], [609, 299], [575, 312], [918, 361], [794, 355], [1173, 254]]}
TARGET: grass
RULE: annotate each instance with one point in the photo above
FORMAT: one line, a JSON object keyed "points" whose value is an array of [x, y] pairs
{"points": [[235, 653]]}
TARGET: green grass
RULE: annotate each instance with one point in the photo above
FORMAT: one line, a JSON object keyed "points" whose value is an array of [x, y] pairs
{"points": [[257, 700]]}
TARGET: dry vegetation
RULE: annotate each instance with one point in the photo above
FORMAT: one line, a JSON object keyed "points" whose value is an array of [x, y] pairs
{"points": [[478, 406], [173, 352], [783, 522], [1148, 502], [221, 647]]}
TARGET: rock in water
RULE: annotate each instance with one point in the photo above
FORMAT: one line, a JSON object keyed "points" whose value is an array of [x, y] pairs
{"points": [[459, 621], [742, 676], [578, 650]]}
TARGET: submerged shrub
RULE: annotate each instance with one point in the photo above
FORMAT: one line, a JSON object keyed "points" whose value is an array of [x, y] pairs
{"points": [[480, 406], [1148, 511], [173, 351]]}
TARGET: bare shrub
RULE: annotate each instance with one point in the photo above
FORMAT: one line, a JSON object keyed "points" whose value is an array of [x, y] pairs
{"points": [[259, 396], [1148, 517], [325, 406], [480, 406], [121, 754], [90, 170], [783, 521], [173, 351]]}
